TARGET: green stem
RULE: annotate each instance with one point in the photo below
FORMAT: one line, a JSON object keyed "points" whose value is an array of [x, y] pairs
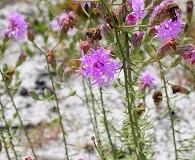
{"points": [[88, 108], [8, 131], [170, 111], [56, 99], [17, 113], [5, 144], [106, 125]]}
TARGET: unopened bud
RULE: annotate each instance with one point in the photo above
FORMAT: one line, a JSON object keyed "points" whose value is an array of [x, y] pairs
{"points": [[21, 59], [179, 89], [169, 46], [137, 38], [106, 30], [189, 9], [84, 46], [157, 97], [30, 36], [51, 59]]}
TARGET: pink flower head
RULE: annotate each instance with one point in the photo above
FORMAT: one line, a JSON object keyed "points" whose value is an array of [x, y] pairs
{"points": [[169, 29], [189, 55], [131, 19], [55, 24], [98, 66], [146, 80], [64, 22], [17, 26]]}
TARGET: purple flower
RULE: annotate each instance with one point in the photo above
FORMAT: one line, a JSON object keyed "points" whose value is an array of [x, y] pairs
{"points": [[169, 29], [55, 24], [146, 80], [131, 19], [17, 26], [189, 55], [64, 23], [98, 66]]}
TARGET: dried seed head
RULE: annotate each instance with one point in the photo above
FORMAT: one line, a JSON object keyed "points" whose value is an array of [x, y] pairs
{"points": [[168, 47], [157, 97], [179, 89], [93, 37]]}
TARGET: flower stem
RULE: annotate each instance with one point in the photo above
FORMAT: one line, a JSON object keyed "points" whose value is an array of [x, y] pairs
{"points": [[170, 111], [56, 98], [106, 125], [17, 113], [9, 134]]}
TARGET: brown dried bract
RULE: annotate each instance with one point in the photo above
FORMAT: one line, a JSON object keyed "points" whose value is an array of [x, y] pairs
{"points": [[109, 21], [157, 97], [179, 89], [168, 11]]}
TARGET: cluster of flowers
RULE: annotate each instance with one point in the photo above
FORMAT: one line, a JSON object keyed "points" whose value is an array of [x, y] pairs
{"points": [[96, 63]]}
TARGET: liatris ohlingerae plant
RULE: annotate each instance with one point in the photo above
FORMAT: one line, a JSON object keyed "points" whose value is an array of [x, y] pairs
{"points": [[140, 54]]}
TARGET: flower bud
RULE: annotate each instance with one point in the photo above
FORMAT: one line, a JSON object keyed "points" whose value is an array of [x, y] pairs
{"points": [[30, 36], [21, 59], [84, 46], [168, 47], [189, 9], [51, 59], [137, 38], [67, 74], [106, 30], [179, 89], [131, 19]]}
